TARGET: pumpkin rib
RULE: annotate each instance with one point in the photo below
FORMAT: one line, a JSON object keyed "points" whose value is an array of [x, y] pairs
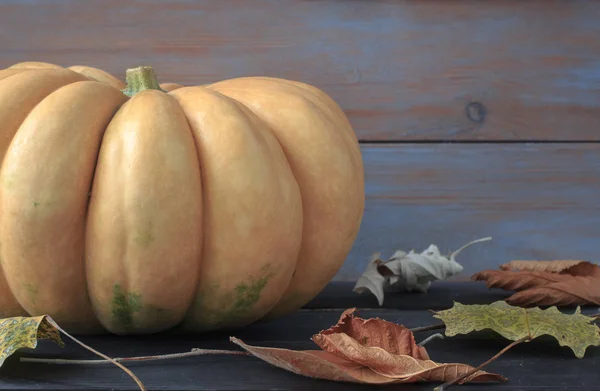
{"points": [[334, 110], [143, 242], [91, 73], [313, 95], [312, 92], [320, 100], [44, 200], [316, 149], [297, 293], [7, 73], [170, 86], [99, 75], [21, 92], [252, 200], [35, 65]]}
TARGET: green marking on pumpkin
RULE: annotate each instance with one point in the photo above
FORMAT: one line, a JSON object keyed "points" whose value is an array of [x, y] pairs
{"points": [[127, 304], [37, 204], [124, 305], [9, 181], [144, 238], [242, 299], [246, 295]]}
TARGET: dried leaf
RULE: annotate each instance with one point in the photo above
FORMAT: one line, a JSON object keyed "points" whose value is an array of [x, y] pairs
{"points": [[539, 266], [408, 271], [573, 330], [372, 280], [378, 333], [370, 351], [573, 282], [25, 332]]}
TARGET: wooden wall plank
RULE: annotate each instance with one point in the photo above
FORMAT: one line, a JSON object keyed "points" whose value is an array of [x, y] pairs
{"points": [[400, 69], [537, 201]]}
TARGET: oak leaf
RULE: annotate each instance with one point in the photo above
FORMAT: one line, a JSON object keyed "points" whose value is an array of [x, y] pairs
{"points": [[371, 351], [410, 271], [545, 283], [577, 331]]}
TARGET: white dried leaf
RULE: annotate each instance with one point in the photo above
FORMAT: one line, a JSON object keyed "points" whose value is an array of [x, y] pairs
{"points": [[371, 280], [409, 271]]}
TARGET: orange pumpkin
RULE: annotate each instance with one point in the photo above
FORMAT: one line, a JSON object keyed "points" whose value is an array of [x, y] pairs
{"points": [[139, 208]]}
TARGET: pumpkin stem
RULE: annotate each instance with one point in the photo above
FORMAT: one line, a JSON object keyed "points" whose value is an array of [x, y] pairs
{"points": [[140, 79]]}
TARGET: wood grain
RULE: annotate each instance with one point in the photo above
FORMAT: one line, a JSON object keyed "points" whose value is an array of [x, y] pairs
{"points": [[402, 70], [537, 201], [440, 295]]}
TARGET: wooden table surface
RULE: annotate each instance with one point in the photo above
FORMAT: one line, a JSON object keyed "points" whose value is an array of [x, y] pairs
{"points": [[538, 365]]}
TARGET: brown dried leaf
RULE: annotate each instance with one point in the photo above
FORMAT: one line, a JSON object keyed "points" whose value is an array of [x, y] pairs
{"points": [[391, 337], [370, 351], [584, 269], [569, 291], [539, 266], [573, 282], [516, 281]]}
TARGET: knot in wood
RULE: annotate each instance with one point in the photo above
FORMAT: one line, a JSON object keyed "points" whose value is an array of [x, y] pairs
{"points": [[475, 112]]}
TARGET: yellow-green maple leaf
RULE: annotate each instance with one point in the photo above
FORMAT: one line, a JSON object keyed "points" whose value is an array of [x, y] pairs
{"points": [[25, 332], [573, 330]]}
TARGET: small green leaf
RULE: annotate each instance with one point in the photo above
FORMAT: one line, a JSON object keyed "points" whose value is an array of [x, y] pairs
{"points": [[573, 330], [24, 332]]}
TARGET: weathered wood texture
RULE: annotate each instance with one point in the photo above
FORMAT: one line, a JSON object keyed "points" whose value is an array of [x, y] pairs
{"points": [[537, 201], [441, 295], [539, 365], [400, 69]]}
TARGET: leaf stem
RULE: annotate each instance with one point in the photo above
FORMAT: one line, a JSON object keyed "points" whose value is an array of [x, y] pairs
{"points": [[126, 370], [428, 328], [192, 353], [431, 338], [500, 353], [455, 253]]}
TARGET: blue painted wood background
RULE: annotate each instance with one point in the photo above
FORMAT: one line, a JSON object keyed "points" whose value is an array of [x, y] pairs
{"points": [[420, 82]]}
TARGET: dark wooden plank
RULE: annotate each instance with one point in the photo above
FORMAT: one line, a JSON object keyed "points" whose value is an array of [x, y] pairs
{"points": [[441, 295], [537, 201], [338, 295], [539, 365], [400, 69]]}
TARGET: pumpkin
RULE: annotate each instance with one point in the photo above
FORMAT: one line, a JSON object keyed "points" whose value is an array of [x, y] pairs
{"points": [[142, 207]]}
